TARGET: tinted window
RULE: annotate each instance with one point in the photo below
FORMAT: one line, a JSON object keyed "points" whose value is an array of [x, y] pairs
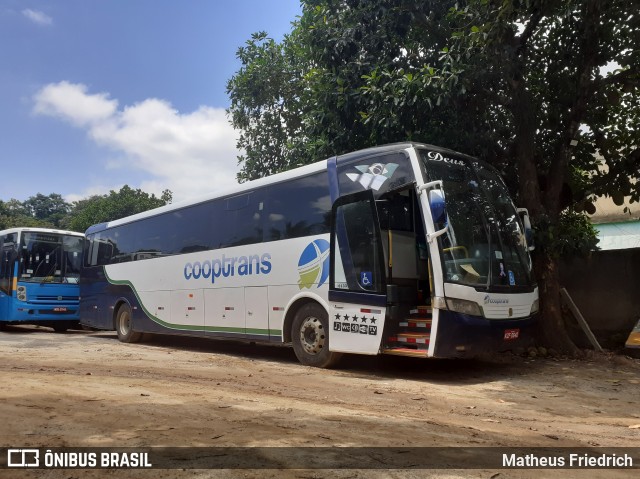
{"points": [[358, 243], [104, 248], [395, 211], [243, 219], [99, 250], [297, 208], [125, 238], [194, 228], [156, 236], [300, 207]]}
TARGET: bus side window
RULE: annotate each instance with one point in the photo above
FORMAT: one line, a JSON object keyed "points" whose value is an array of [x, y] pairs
{"points": [[298, 208], [244, 219], [100, 251], [199, 228]]}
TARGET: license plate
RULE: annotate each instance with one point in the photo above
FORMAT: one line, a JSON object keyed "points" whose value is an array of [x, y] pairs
{"points": [[511, 334], [60, 310]]}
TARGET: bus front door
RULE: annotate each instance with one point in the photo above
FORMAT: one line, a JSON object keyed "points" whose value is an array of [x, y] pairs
{"points": [[357, 290], [7, 266]]}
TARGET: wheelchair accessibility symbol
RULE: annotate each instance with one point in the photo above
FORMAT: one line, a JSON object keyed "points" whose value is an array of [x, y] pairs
{"points": [[366, 279]]}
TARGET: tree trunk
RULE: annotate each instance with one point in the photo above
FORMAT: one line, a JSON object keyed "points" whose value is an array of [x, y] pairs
{"points": [[551, 327]]}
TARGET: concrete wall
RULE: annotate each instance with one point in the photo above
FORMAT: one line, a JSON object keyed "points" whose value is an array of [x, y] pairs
{"points": [[606, 289]]}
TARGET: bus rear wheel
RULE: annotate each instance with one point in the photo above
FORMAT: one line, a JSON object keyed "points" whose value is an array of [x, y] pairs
{"points": [[310, 337], [124, 325]]}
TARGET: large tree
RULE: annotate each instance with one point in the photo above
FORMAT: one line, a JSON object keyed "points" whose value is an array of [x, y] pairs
{"points": [[265, 105], [522, 84], [567, 76], [117, 204], [49, 209], [13, 213]]}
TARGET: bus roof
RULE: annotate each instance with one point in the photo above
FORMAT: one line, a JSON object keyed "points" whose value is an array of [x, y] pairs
{"points": [[28, 229], [272, 179]]}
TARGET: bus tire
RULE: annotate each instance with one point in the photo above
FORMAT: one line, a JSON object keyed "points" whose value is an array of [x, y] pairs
{"points": [[310, 337], [124, 325]]}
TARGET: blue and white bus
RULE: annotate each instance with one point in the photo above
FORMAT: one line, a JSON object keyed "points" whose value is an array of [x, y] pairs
{"points": [[39, 276], [406, 249]]}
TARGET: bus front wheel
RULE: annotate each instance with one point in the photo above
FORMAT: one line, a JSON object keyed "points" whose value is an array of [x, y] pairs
{"points": [[124, 325], [310, 337]]}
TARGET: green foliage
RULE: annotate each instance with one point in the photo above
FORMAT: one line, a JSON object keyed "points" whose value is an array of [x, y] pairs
{"points": [[568, 72], [39, 210], [50, 209], [115, 205], [53, 212], [571, 235], [265, 105], [350, 75], [521, 84]]}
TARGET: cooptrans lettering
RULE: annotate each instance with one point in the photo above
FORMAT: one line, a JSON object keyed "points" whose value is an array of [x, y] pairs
{"points": [[226, 267]]}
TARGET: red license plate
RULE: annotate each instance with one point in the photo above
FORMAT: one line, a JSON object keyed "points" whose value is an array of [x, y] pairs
{"points": [[60, 310], [511, 334]]}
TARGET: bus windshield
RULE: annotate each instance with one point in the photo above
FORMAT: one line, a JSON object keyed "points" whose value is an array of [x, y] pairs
{"points": [[50, 258], [485, 244]]}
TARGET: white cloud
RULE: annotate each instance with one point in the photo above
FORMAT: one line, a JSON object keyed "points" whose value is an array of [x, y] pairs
{"points": [[37, 16], [71, 102], [189, 153]]}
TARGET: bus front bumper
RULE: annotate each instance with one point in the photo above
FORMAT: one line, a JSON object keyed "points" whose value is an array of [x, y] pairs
{"points": [[464, 336], [34, 313]]}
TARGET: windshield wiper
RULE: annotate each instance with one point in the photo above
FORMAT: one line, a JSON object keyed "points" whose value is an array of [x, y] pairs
{"points": [[50, 276]]}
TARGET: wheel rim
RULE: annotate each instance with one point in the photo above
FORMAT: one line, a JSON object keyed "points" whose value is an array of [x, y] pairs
{"points": [[312, 337], [124, 323]]}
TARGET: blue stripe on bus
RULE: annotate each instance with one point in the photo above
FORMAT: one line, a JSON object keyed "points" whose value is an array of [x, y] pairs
{"points": [[358, 297]]}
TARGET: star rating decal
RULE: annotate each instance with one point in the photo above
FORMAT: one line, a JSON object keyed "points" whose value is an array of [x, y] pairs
{"points": [[355, 324]]}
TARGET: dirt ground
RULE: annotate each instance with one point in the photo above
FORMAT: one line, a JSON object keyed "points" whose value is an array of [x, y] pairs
{"points": [[84, 388]]}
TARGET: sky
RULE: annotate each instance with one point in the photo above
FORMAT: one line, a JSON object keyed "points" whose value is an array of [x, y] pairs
{"points": [[102, 93]]}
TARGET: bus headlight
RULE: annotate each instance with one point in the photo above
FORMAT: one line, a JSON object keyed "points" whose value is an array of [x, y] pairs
{"points": [[535, 307], [22, 293], [464, 306]]}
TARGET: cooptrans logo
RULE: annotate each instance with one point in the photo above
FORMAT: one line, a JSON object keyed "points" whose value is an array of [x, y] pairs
{"points": [[313, 266]]}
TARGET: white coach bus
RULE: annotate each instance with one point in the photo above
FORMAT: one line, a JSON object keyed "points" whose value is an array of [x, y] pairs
{"points": [[405, 249]]}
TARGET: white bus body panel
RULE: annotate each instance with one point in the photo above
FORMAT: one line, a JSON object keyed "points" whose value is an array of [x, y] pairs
{"points": [[256, 300], [224, 308], [355, 328], [230, 289]]}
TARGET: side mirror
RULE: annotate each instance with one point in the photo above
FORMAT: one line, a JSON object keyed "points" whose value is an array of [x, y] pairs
{"points": [[438, 206], [528, 230]]}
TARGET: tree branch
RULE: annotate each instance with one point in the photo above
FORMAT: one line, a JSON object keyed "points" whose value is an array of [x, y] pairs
{"points": [[626, 77], [589, 53], [523, 39]]}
